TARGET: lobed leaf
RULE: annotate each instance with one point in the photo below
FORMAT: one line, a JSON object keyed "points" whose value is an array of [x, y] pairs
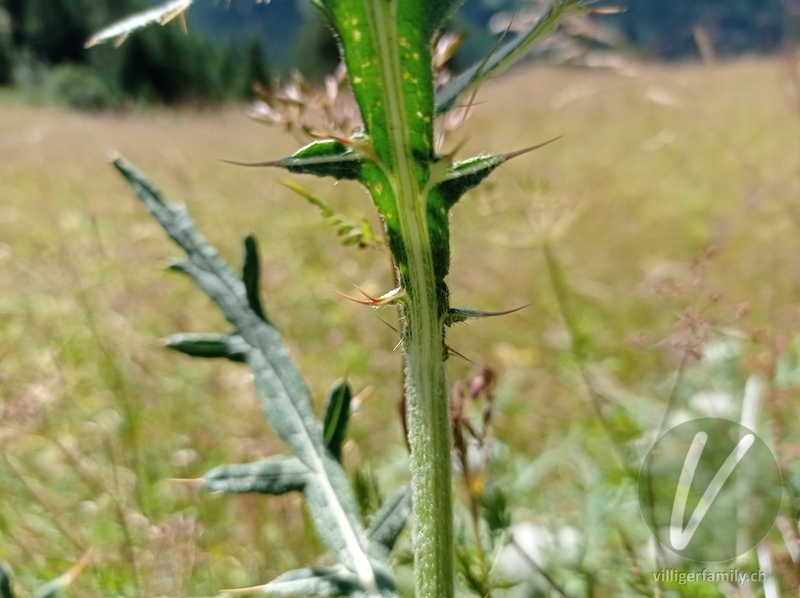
{"points": [[285, 398], [121, 29]]}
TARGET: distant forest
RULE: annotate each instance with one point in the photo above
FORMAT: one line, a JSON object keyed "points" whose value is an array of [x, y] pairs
{"points": [[234, 44]]}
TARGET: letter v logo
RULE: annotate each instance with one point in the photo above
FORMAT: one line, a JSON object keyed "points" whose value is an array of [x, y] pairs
{"points": [[678, 535], [709, 489]]}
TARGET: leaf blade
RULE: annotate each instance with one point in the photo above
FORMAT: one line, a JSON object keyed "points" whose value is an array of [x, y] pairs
{"points": [[337, 417]]}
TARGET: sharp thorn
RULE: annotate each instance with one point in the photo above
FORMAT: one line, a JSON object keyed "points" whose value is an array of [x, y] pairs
{"points": [[477, 313], [375, 301], [512, 155], [504, 312], [353, 299], [389, 325], [253, 164], [451, 351]]}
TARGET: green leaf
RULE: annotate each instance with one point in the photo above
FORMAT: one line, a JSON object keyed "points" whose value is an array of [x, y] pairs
{"points": [[390, 520], [350, 232], [229, 346], [121, 29], [5, 583], [465, 175], [337, 416], [251, 276], [275, 475], [285, 398], [327, 157], [505, 56]]}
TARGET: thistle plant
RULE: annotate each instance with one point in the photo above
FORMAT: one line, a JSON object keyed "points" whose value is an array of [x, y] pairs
{"points": [[386, 48]]}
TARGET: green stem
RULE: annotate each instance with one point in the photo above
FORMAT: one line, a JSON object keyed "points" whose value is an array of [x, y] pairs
{"points": [[428, 416], [429, 438]]}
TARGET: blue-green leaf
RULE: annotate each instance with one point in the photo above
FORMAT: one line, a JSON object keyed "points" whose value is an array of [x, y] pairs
{"points": [[275, 475], [390, 520], [313, 581], [285, 398]]}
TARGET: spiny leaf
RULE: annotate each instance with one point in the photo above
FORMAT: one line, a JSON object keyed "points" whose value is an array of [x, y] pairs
{"points": [[285, 398], [275, 475], [5, 583], [121, 29], [505, 56], [467, 174], [337, 416], [251, 276], [390, 520], [229, 346], [456, 314], [327, 157]]}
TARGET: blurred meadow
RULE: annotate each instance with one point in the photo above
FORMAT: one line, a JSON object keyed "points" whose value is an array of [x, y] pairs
{"points": [[669, 209]]}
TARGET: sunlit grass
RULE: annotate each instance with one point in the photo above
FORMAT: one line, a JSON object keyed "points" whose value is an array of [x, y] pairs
{"points": [[97, 417]]}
